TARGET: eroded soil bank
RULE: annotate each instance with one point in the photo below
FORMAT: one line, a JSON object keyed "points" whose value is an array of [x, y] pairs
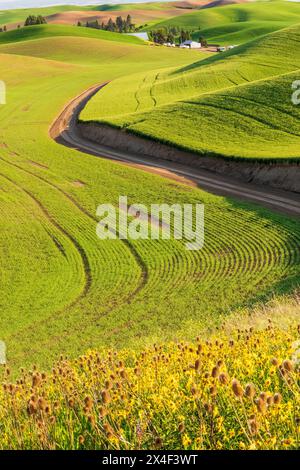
{"points": [[277, 175]]}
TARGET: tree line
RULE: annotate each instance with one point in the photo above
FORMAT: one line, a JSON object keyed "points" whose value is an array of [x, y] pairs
{"points": [[172, 35], [121, 25], [32, 20]]}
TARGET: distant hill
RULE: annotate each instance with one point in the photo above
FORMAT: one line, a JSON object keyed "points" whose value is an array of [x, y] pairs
{"points": [[141, 13], [236, 24], [235, 105]]}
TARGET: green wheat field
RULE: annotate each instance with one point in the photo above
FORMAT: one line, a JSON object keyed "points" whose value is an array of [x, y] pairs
{"points": [[66, 293]]}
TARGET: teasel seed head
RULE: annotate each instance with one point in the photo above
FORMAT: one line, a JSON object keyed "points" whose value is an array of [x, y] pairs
{"points": [[181, 428], [108, 384], [31, 408], [253, 426], [261, 405], [105, 396], [277, 398], [263, 396], [270, 401], [158, 443], [88, 401], [71, 403], [223, 379], [287, 365], [237, 388], [274, 361], [250, 391]]}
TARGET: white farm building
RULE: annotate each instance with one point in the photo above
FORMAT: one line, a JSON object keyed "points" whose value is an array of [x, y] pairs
{"points": [[189, 44]]}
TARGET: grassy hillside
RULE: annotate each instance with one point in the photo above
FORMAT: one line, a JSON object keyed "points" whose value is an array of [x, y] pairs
{"points": [[66, 43], [238, 102], [72, 291], [29, 33], [237, 24]]}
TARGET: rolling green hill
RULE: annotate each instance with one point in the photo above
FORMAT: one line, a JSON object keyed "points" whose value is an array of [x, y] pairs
{"points": [[236, 24], [239, 102], [62, 289], [66, 43], [29, 33]]}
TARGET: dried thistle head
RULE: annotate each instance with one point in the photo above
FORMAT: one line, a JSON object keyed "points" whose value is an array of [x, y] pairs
{"points": [[253, 426], [250, 391], [108, 384], [263, 396], [52, 419], [181, 427], [237, 388], [208, 408], [105, 397], [36, 380], [102, 412], [287, 365], [88, 401], [91, 420], [270, 401], [261, 405], [277, 398], [42, 403], [31, 408], [223, 378], [158, 443], [71, 403]]}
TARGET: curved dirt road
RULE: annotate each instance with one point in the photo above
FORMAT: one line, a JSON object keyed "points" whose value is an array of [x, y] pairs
{"points": [[64, 131]]}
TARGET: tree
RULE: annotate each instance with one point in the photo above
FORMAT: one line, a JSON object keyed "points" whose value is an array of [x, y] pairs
{"points": [[129, 22], [110, 25], [170, 38], [203, 41], [79, 23], [159, 36], [120, 25]]}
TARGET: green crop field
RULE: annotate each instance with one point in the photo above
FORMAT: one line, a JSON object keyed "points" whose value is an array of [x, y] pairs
{"points": [[50, 31], [231, 105], [236, 24], [62, 289]]}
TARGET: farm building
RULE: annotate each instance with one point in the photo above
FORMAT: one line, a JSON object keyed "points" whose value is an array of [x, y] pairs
{"points": [[190, 44]]}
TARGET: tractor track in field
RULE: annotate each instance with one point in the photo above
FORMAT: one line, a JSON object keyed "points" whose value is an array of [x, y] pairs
{"points": [[144, 269], [130, 298], [78, 247], [64, 131]]}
